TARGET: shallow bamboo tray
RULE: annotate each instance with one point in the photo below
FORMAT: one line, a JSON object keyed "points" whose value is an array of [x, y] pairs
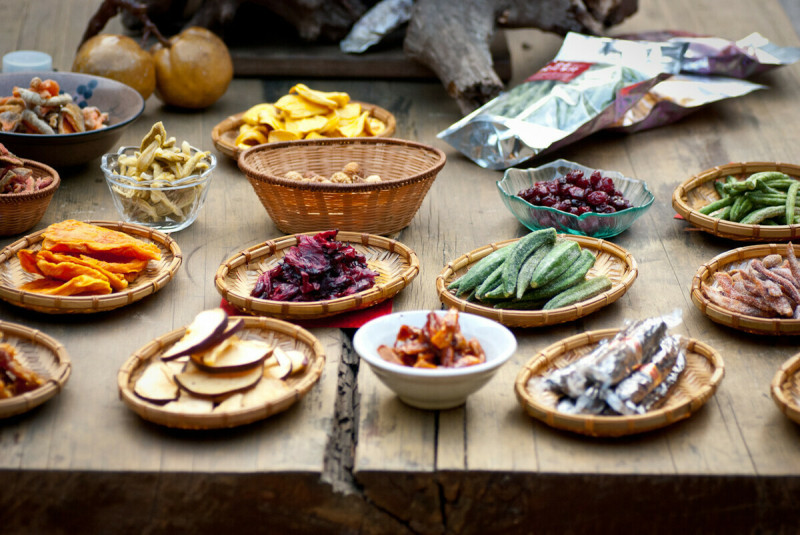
{"points": [[785, 388], [751, 324], [703, 373], [152, 279], [225, 132], [408, 170], [612, 261], [285, 335], [699, 191], [41, 354], [21, 211], [396, 264]]}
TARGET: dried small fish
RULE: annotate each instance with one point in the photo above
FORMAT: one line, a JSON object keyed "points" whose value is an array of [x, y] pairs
{"points": [[629, 348]]}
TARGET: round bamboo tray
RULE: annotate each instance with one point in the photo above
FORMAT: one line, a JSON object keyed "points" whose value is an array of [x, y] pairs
{"points": [[785, 388], [751, 324], [699, 191], [612, 261], [703, 373], [152, 279], [21, 211], [407, 169], [41, 354], [285, 335], [396, 264], [224, 134]]}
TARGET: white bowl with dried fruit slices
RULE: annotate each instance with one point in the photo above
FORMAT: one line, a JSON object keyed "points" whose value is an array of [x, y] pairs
{"points": [[221, 371]]}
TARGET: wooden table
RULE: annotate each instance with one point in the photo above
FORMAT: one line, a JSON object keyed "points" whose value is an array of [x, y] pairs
{"points": [[351, 458]]}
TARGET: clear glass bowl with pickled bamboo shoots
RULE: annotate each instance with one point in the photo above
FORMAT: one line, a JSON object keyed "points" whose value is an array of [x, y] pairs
{"points": [[159, 184]]}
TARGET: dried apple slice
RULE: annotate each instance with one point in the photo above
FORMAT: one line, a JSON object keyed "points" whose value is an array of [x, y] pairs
{"points": [[267, 389], [205, 331], [279, 365], [214, 385], [231, 403], [156, 384], [187, 404], [233, 355]]}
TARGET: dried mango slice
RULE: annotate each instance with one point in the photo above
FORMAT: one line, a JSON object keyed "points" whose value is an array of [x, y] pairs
{"points": [[296, 107], [333, 99], [67, 262], [78, 237], [314, 135], [82, 284], [27, 260], [271, 117], [125, 267], [351, 111], [301, 127], [281, 135], [375, 126], [251, 116], [353, 127], [250, 138]]}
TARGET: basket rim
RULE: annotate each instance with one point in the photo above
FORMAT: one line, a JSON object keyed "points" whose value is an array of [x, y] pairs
{"points": [[539, 318], [47, 191], [230, 418], [92, 303], [316, 309], [742, 322], [729, 229], [276, 180], [785, 373], [612, 426], [54, 385]]}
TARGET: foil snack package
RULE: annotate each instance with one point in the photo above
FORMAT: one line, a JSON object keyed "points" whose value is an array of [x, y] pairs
{"points": [[746, 57], [588, 86], [679, 96]]}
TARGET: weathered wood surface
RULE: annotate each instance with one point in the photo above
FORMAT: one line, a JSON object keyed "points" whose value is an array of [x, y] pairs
{"points": [[350, 458]]}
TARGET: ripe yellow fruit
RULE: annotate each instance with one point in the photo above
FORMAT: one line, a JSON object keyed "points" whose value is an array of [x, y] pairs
{"points": [[120, 58], [194, 70]]}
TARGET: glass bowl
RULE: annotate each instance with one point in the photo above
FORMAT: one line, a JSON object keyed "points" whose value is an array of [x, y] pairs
{"points": [[167, 206], [589, 224]]}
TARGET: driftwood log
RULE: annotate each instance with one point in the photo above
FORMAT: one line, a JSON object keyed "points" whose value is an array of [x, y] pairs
{"points": [[452, 38]]}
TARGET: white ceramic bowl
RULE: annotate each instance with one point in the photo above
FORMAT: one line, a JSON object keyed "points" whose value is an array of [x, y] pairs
{"points": [[441, 388]]}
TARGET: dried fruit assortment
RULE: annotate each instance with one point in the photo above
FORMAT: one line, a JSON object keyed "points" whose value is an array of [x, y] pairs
{"points": [[160, 180], [763, 287], [42, 109], [305, 113], [212, 368], [351, 173], [765, 198], [78, 258], [318, 268], [438, 344], [16, 178], [577, 194], [15, 379], [539, 271]]}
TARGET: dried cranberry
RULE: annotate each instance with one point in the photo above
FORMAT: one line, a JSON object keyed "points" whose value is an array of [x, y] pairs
{"points": [[597, 198], [574, 175], [619, 202], [604, 209], [595, 179], [540, 188], [583, 182], [549, 200], [552, 186], [574, 210], [607, 185], [564, 206], [576, 193], [583, 209]]}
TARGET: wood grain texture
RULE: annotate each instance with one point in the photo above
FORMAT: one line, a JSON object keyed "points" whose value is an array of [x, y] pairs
{"points": [[350, 457]]}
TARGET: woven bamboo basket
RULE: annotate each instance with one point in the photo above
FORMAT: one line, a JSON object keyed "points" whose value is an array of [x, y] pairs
{"points": [[396, 264], [273, 331], [224, 134], [734, 259], [22, 211], [785, 388], [699, 191], [612, 261], [152, 279], [703, 373], [407, 169], [41, 354]]}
